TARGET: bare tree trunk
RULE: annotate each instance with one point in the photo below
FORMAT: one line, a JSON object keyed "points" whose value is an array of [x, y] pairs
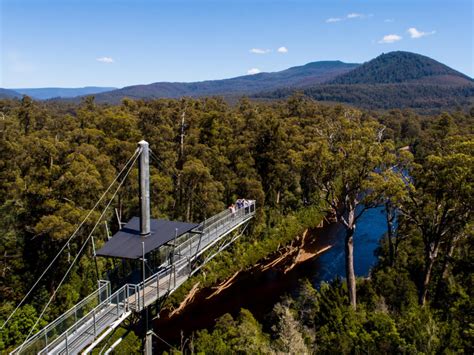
{"points": [[350, 275], [429, 262], [426, 282], [389, 218], [181, 137], [179, 207], [349, 249], [444, 273], [448, 257], [188, 210], [189, 199]]}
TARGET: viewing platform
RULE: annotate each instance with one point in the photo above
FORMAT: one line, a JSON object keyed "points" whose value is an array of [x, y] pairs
{"points": [[91, 320]]}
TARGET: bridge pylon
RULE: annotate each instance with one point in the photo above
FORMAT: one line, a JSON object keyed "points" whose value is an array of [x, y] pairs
{"points": [[178, 250]]}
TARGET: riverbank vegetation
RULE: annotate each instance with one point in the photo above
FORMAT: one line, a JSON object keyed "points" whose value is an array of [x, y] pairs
{"points": [[418, 299], [300, 160]]}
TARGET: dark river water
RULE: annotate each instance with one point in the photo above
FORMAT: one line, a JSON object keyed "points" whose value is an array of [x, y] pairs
{"points": [[370, 228], [259, 291]]}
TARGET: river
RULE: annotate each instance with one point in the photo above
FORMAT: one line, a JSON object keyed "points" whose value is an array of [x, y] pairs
{"points": [[370, 228], [259, 291]]}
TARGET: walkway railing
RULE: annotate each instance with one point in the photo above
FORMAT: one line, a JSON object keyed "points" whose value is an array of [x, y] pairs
{"points": [[60, 325], [81, 325]]}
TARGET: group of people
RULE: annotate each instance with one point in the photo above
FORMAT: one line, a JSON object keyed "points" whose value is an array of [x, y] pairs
{"points": [[240, 203]]}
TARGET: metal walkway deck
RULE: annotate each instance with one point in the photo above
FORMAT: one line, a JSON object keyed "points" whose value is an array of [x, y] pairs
{"points": [[98, 314]]}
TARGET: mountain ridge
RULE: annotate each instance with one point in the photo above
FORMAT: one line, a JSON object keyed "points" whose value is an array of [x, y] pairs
{"points": [[60, 92], [396, 79], [401, 66], [9, 94], [393, 80], [298, 76]]}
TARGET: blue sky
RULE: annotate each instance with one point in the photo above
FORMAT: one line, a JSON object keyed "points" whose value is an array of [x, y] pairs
{"points": [[73, 43]]}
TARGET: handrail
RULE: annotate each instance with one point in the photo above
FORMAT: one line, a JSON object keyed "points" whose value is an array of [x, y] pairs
{"points": [[226, 216], [134, 297], [73, 311], [94, 312]]}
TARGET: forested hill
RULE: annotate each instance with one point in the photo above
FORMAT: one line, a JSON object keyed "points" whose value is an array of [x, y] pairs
{"points": [[401, 67], [393, 80], [8, 94], [49, 93], [295, 77]]}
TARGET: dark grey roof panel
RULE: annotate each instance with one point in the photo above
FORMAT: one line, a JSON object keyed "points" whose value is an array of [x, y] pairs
{"points": [[127, 243]]}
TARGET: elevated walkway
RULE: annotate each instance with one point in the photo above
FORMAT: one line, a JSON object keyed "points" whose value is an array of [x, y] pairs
{"points": [[92, 319]]}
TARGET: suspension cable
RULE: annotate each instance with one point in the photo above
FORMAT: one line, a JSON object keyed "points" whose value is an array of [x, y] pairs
{"points": [[78, 254], [158, 160], [163, 340], [70, 238], [175, 176]]}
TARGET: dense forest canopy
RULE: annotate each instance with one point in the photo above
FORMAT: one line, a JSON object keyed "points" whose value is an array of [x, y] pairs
{"points": [[425, 98], [300, 160]]}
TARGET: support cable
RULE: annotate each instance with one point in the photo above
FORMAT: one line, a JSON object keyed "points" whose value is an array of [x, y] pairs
{"points": [[163, 340], [175, 176], [158, 160], [70, 238], [78, 254]]}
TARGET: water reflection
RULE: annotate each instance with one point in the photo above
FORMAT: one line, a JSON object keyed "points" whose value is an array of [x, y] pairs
{"points": [[259, 291], [370, 228]]}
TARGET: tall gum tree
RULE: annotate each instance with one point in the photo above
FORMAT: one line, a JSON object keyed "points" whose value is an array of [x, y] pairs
{"points": [[388, 186], [339, 167], [439, 201]]}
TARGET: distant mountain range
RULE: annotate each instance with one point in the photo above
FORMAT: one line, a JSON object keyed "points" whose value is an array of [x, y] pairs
{"points": [[295, 77], [9, 94], [392, 80], [50, 93]]}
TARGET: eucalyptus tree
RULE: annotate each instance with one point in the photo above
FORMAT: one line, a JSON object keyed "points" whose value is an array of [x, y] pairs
{"points": [[439, 201], [25, 114], [388, 188], [339, 169]]}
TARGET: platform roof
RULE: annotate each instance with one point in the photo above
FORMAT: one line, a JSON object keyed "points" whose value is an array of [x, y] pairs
{"points": [[127, 242]]}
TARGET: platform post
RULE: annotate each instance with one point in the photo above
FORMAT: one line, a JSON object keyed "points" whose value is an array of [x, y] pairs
{"points": [[149, 343], [143, 272], [144, 182]]}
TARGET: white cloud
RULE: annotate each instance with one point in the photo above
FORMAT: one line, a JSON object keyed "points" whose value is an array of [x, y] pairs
{"points": [[390, 38], [414, 33], [282, 50], [389, 20], [350, 16], [253, 71], [259, 51], [107, 60], [355, 15]]}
